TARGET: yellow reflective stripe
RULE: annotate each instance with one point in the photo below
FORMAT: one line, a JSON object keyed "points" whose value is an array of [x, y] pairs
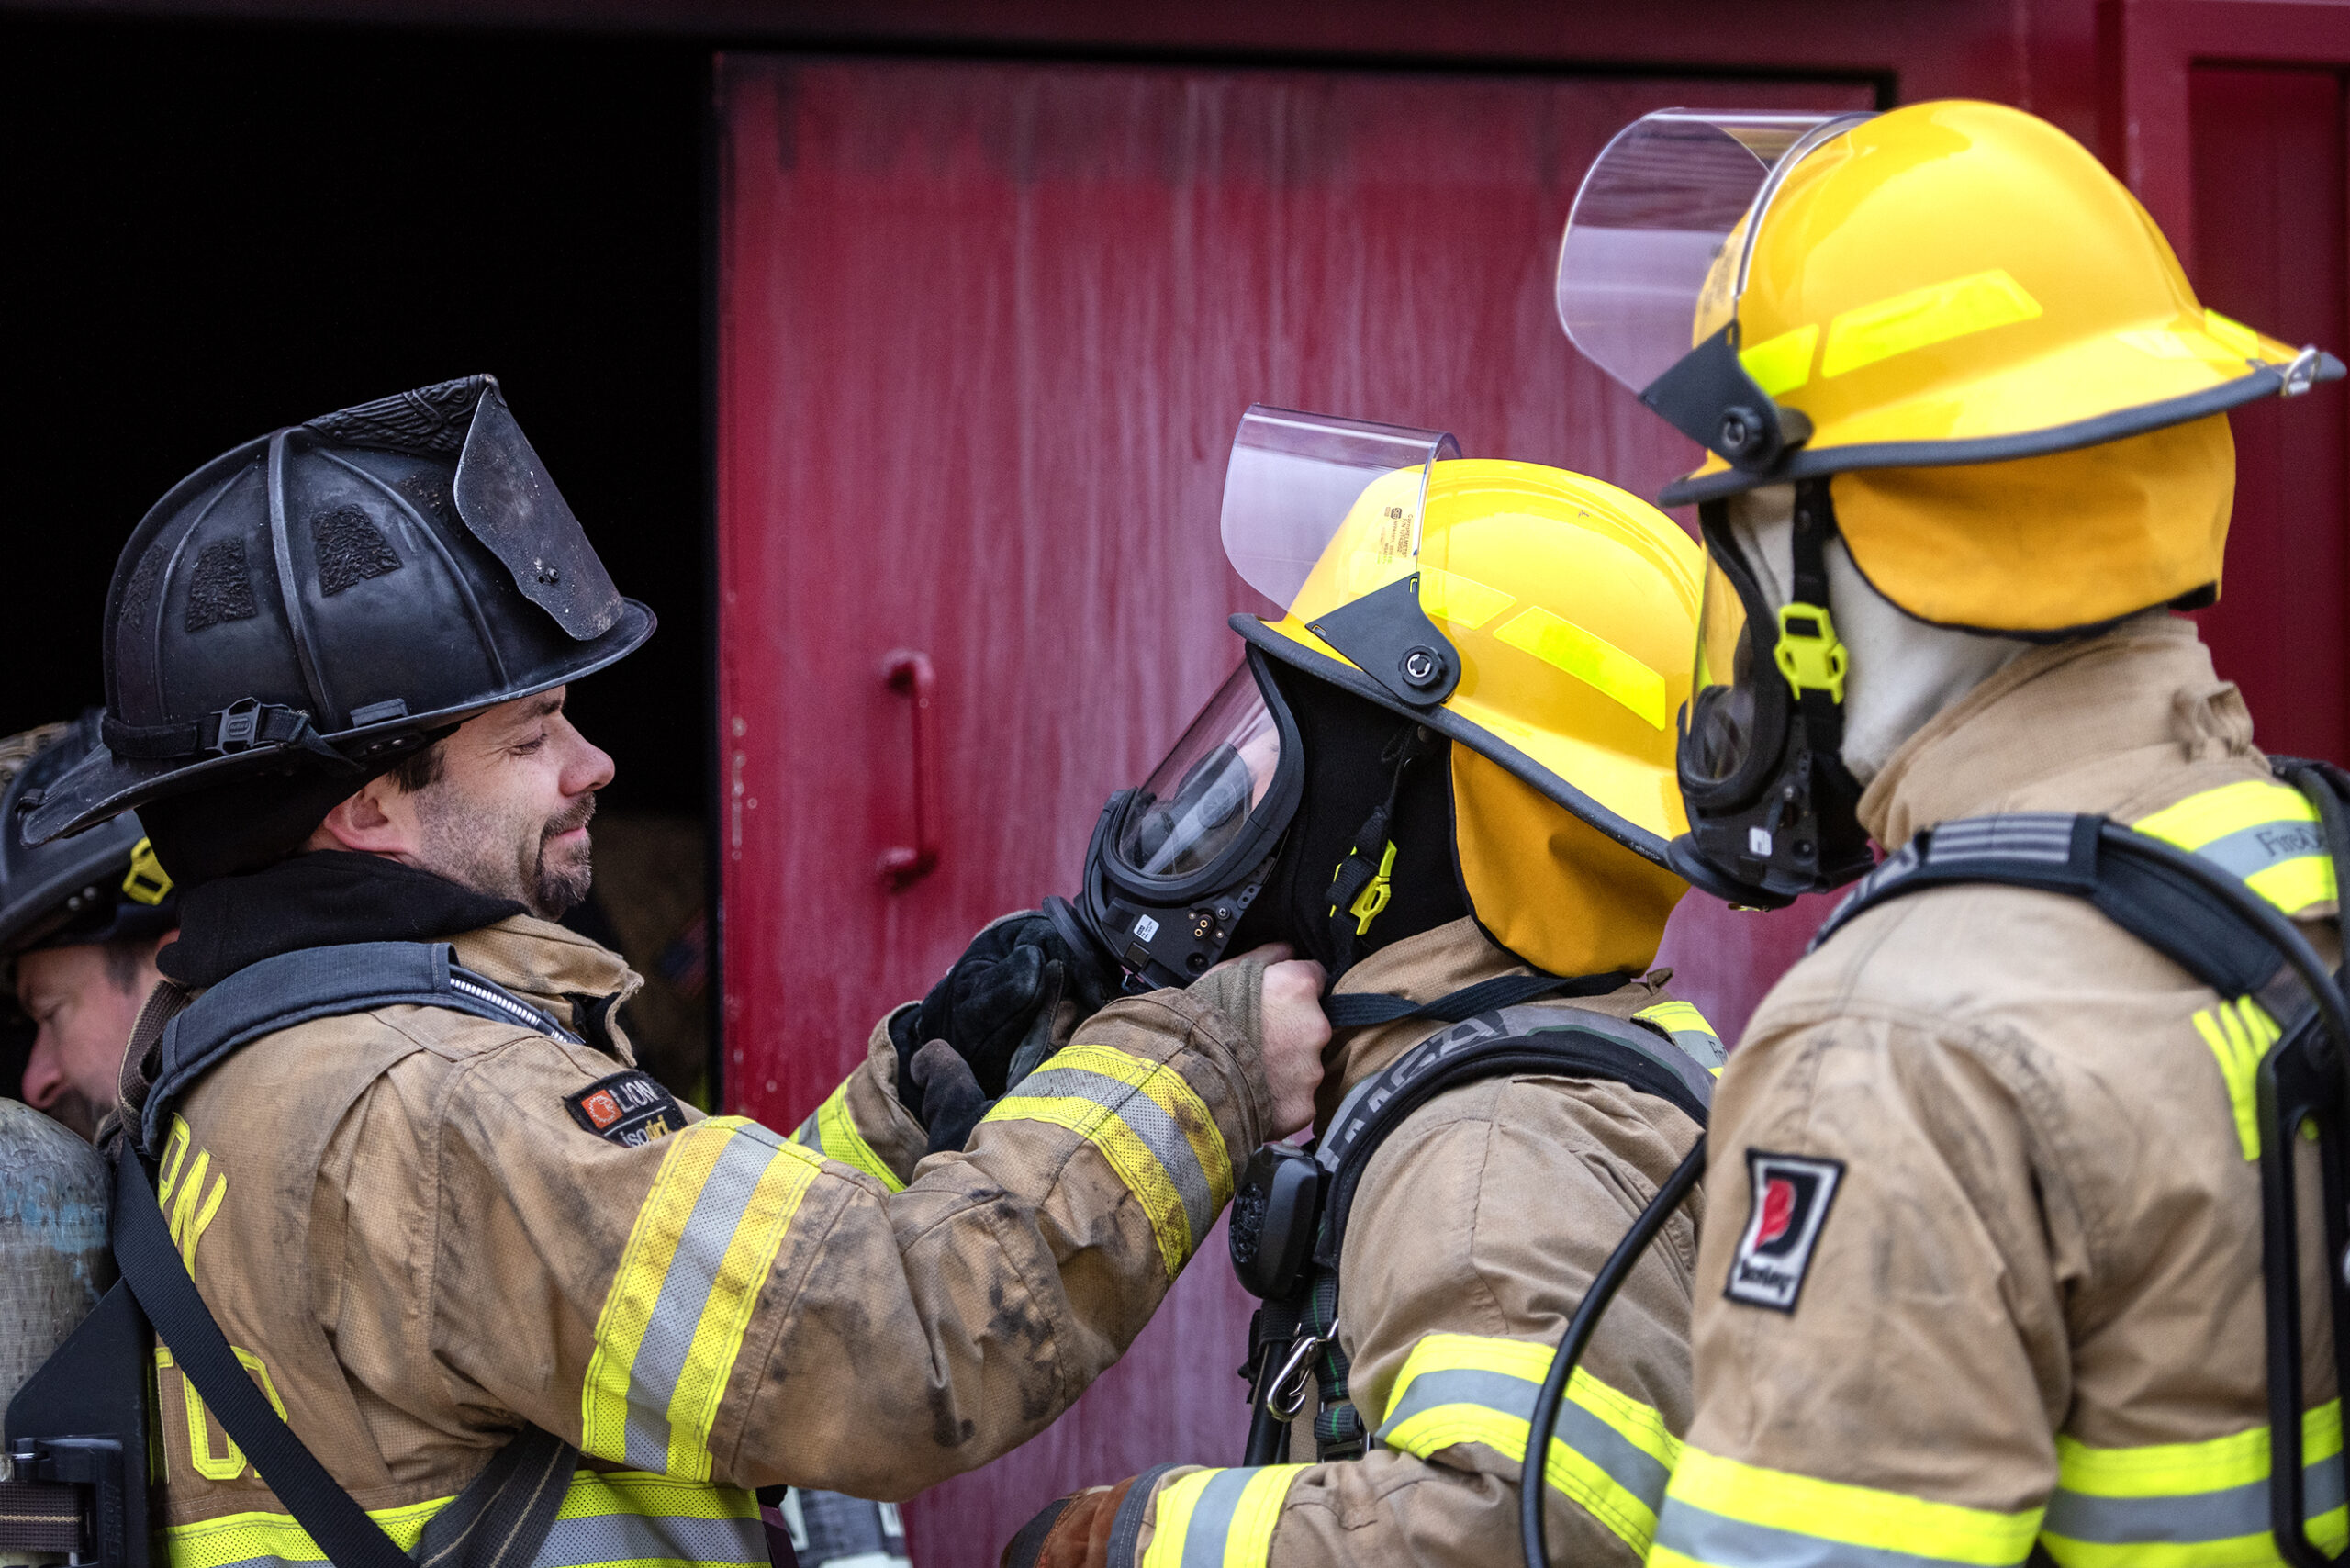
{"points": [[1464, 601], [2240, 1034], [2160, 1469], [1720, 1511], [1218, 1518], [621, 1519], [1590, 658], [726, 1317], [837, 1137], [1148, 1123], [1924, 317], [2262, 831], [2188, 1504], [672, 1324], [1781, 365], [1610, 1453], [1689, 1031], [1173, 1095]]}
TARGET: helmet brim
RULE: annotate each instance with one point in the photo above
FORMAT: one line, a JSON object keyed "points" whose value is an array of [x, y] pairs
{"points": [[104, 785]]}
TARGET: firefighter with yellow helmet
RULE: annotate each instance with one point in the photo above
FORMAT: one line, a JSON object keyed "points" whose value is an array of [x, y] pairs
{"points": [[1445, 773], [1987, 1269]]}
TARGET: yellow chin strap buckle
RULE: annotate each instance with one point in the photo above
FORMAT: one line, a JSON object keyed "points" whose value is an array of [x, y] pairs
{"points": [[1808, 653], [1372, 899], [146, 882]]}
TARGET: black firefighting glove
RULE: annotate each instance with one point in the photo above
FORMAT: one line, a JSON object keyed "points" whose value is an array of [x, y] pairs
{"points": [[1011, 1000], [951, 1102]]}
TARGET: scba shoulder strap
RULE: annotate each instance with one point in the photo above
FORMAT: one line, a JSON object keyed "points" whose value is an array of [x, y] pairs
{"points": [[2209, 884], [501, 1518], [1290, 1206]]}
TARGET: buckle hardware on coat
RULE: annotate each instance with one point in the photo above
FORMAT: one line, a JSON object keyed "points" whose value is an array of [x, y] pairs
{"points": [[1373, 899], [1286, 1396], [1809, 652]]}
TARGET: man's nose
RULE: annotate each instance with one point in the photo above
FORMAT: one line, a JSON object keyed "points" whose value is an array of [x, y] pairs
{"points": [[587, 768], [44, 1073]]}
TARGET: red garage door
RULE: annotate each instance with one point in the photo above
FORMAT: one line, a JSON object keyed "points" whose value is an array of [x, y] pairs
{"points": [[984, 333]]}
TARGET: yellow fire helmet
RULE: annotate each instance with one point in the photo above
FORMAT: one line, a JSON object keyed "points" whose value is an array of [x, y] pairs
{"points": [[1541, 620], [1887, 297]]}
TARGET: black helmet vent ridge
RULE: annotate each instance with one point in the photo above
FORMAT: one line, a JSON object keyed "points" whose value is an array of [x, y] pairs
{"points": [[220, 589], [345, 590], [351, 550]]}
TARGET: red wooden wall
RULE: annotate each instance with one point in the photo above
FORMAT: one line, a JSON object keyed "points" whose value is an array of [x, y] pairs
{"points": [[983, 330]]}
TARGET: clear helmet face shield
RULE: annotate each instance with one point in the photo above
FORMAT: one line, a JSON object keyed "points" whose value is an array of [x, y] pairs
{"points": [[1322, 515], [1655, 259], [1659, 239]]}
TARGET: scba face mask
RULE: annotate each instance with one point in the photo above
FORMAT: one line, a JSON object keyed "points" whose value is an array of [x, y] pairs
{"points": [[1176, 861], [1772, 806]]}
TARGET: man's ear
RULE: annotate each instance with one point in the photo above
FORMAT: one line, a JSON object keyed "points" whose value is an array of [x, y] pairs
{"points": [[368, 822]]}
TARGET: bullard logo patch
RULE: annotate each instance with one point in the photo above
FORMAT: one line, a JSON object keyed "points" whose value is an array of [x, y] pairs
{"points": [[627, 1108], [1790, 1198]]}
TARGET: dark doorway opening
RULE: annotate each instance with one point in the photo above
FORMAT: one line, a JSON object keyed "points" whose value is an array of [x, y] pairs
{"points": [[215, 229]]}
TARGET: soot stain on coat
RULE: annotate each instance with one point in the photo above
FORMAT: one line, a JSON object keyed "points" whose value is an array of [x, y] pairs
{"points": [[1018, 1324]]}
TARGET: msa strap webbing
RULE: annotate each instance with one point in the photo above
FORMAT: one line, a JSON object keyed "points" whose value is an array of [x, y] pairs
{"points": [[1361, 1009]]}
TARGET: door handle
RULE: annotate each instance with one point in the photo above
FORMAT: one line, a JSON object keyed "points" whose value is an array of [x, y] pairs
{"points": [[911, 674]]}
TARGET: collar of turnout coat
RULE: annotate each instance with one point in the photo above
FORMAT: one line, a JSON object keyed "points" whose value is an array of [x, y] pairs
{"points": [[1436, 963], [2078, 725], [319, 900]]}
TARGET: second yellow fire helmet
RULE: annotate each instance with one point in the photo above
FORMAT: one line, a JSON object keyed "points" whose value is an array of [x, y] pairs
{"points": [[1892, 299], [1539, 622]]}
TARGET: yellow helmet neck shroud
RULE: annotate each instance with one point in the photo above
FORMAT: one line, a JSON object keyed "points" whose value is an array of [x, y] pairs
{"points": [[1571, 610]]}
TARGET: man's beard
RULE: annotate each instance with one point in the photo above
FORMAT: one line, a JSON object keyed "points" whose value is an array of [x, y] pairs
{"points": [[507, 862], [562, 887]]}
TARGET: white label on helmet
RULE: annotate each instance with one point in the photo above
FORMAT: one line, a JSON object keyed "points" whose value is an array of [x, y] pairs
{"points": [[1758, 841], [1145, 928]]}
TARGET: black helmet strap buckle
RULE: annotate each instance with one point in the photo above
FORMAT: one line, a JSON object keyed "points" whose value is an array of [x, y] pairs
{"points": [[247, 724]]}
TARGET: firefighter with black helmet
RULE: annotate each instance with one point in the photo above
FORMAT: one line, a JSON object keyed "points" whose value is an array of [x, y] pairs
{"points": [[465, 1249], [82, 919], [1991, 1171]]}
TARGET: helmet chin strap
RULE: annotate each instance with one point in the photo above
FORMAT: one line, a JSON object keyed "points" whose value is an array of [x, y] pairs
{"points": [[1902, 670]]}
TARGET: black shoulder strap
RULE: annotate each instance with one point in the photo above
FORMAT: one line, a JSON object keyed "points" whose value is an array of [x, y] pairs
{"points": [[1359, 1009], [2058, 853], [499, 1521], [319, 982], [1567, 1042], [503, 1516]]}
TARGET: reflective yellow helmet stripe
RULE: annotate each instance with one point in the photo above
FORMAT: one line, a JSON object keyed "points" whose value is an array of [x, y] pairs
{"points": [[1723, 1514], [672, 1325]]}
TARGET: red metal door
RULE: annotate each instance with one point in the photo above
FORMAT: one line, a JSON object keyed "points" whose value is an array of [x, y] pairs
{"points": [[2228, 117], [984, 333]]}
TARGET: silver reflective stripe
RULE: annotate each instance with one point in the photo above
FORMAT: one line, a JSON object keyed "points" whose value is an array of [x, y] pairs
{"points": [[2251, 850], [1211, 1518], [1147, 1119], [1637, 1472], [1733, 1543], [2022, 835], [635, 1538], [1705, 1049], [2223, 1514], [685, 1290]]}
